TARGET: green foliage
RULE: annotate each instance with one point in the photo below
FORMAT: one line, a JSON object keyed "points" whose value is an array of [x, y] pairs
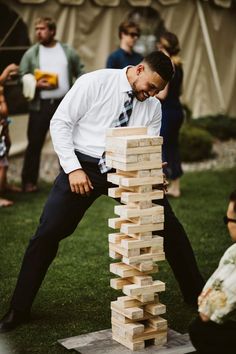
{"points": [[220, 126], [195, 143], [75, 295]]}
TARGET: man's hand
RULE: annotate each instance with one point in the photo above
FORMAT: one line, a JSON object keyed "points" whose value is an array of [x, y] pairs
{"points": [[80, 182], [43, 84]]}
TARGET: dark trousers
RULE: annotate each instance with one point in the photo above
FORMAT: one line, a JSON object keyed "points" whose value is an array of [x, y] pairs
{"points": [[212, 338], [38, 126], [62, 213]]}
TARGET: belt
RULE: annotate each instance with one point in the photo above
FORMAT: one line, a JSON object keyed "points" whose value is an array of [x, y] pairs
{"points": [[86, 158]]}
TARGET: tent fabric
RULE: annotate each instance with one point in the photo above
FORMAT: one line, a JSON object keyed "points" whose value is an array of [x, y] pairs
{"points": [[91, 28], [223, 3]]}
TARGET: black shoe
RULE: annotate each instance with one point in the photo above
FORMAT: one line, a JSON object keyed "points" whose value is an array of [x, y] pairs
{"points": [[12, 319]]}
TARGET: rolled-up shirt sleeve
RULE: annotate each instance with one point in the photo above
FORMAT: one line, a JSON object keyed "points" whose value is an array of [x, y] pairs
{"points": [[73, 106]]}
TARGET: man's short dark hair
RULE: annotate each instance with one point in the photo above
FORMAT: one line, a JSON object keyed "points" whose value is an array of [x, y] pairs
{"points": [[160, 63], [125, 26], [51, 24]]}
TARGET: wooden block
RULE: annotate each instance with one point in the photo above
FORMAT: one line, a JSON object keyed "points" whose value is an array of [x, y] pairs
{"points": [[143, 204], [144, 298], [115, 178], [129, 197], [124, 270], [137, 181], [161, 339], [151, 257], [144, 266], [132, 243], [132, 329], [155, 309], [116, 223], [135, 252], [118, 317], [137, 174], [116, 192], [158, 323], [141, 280], [133, 166], [118, 283], [126, 131], [122, 158], [114, 255], [129, 228], [133, 313], [127, 301], [117, 237], [127, 343], [135, 290], [147, 219], [133, 150]]}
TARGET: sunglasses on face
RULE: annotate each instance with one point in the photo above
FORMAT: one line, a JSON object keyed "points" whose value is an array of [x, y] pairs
{"points": [[227, 220], [133, 34]]}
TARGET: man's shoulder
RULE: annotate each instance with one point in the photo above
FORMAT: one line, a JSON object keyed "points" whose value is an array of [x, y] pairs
{"points": [[33, 49]]}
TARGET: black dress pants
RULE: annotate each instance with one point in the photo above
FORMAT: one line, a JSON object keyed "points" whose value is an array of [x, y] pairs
{"points": [[61, 215], [38, 126], [212, 338]]}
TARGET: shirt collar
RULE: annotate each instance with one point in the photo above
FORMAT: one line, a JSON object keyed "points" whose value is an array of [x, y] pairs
{"points": [[124, 83]]}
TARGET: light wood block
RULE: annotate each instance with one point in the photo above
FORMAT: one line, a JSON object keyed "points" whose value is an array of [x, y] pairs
{"points": [[118, 283], [134, 150], [135, 290], [125, 270], [129, 228], [141, 280], [155, 309], [151, 257], [133, 313], [127, 343], [132, 243], [133, 166], [126, 131], [129, 197], [124, 252]]}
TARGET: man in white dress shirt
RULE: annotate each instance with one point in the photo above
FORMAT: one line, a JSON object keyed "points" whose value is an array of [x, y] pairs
{"points": [[78, 132], [63, 64]]}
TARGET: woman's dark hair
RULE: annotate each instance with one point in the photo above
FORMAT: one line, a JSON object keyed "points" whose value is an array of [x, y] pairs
{"points": [[170, 43], [160, 63]]}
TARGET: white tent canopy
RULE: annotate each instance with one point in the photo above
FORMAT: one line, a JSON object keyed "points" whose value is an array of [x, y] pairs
{"points": [[206, 30]]}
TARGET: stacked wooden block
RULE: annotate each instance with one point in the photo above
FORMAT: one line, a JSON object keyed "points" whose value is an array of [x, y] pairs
{"points": [[136, 320]]}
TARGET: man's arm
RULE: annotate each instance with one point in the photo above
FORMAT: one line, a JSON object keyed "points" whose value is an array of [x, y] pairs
{"points": [[74, 105]]}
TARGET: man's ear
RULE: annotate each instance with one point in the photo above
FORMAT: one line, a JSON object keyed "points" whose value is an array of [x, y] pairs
{"points": [[140, 68]]}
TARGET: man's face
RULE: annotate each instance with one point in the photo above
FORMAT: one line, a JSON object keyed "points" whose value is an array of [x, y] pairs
{"points": [[130, 37], [148, 83], [43, 34]]}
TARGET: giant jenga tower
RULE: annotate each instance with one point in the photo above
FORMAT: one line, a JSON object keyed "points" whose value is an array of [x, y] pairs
{"points": [[136, 320]]}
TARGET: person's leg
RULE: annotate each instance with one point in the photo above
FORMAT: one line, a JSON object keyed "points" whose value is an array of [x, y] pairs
{"points": [[212, 338], [38, 126], [59, 219], [180, 255]]}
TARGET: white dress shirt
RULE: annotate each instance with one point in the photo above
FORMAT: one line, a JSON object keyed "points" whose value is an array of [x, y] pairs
{"points": [[89, 108], [53, 60]]}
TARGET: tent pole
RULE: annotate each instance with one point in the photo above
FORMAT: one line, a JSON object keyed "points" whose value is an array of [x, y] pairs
{"points": [[211, 55]]}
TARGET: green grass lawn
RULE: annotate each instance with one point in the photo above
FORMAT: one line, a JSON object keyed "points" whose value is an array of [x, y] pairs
{"points": [[75, 296]]}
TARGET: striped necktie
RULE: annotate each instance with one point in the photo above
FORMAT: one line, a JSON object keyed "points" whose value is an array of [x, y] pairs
{"points": [[122, 121]]}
